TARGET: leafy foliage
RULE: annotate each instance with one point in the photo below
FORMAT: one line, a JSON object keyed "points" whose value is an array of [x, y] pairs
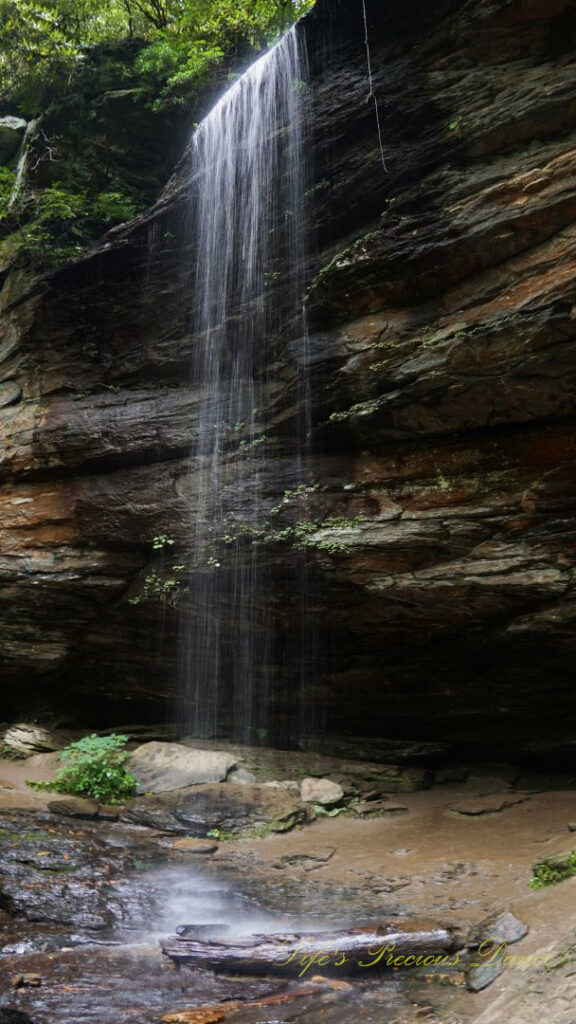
{"points": [[59, 58], [94, 767], [53, 224], [47, 42]]}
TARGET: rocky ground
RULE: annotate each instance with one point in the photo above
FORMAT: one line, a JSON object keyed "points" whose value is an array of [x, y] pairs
{"points": [[87, 893]]}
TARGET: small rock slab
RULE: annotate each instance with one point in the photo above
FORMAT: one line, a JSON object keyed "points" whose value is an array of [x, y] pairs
{"points": [[162, 767], [74, 807], [377, 808], [480, 976], [321, 791], [202, 846], [490, 804], [503, 927], [322, 856], [311, 861]]}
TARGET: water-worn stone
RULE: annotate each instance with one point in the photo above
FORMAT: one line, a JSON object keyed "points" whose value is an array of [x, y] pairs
{"points": [[486, 804], [377, 808], [199, 846], [321, 791], [160, 767], [224, 809], [481, 975], [501, 927], [74, 807]]}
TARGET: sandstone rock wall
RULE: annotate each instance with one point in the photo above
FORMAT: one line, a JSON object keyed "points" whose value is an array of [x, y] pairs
{"points": [[442, 363]]}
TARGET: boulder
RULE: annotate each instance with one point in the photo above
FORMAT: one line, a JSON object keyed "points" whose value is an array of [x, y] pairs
{"points": [[27, 739], [501, 927], [74, 807], [483, 804], [161, 767], [321, 791], [225, 809]]}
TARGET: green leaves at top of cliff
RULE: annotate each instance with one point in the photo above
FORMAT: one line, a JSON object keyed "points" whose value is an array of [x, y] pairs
{"points": [[110, 86], [44, 228], [45, 45]]}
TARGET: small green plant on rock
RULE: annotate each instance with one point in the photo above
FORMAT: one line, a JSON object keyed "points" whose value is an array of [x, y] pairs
{"points": [[94, 767], [554, 870], [161, 541]]}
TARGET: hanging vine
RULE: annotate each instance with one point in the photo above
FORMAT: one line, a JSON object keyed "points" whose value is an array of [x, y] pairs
{"points": [[371, 93]]}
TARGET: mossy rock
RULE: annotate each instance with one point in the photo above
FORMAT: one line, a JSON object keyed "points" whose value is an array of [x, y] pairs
{"points": [[554, 869]]}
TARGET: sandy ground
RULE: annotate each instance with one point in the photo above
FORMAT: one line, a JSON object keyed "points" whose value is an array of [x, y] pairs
{"points": [[436, 864], [14, 793]]}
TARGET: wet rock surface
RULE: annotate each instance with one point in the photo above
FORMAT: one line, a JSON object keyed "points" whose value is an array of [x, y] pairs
{"points": [[80, 906], [442, 371], [225, 808], [84, 904]]}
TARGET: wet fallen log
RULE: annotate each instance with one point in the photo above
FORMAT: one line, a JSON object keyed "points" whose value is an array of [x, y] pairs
{"points": [[390, 947]]}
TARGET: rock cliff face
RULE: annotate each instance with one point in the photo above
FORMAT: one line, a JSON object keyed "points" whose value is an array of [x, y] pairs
{"points": [[442, 482]]}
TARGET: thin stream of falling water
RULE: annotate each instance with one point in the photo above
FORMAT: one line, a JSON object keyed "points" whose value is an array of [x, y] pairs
{"points": [[249, 180]]}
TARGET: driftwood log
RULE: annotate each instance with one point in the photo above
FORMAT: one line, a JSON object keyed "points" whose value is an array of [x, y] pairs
{"points": [[390, 947]]}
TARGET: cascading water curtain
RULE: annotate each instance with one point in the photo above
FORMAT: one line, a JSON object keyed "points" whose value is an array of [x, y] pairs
{"points": [[249, 177]]}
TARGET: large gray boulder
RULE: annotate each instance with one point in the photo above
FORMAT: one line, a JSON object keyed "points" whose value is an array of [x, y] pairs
{"points": [[161, 767]]}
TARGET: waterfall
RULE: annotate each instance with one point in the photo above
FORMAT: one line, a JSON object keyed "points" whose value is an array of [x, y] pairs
{"points": [[21, 165], [247, 230]]}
